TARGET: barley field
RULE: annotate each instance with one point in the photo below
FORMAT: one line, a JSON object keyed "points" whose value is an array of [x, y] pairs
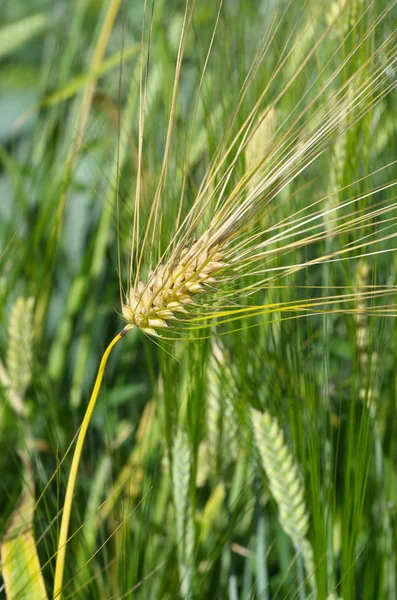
{"points": [[198, 281]]}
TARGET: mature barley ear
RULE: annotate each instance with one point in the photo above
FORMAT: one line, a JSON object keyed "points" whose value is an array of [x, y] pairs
{"points": [[285, 485], [18, 375], [182, 458], [228, 249], [172, 286]]}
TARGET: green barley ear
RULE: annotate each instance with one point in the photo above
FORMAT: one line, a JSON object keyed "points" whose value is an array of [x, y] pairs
{"points": [[260, 143], [368, 360], [221, 418], [182, 458], [285, 485], [20, 351]]}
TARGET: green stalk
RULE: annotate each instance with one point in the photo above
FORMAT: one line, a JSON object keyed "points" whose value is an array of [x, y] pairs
{"points": [[67, 507]]}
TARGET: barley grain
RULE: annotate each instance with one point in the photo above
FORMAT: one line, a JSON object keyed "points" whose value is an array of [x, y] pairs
{"points": [[170, 288]]}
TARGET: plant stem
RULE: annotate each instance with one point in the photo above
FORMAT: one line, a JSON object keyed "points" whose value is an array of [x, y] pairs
{"points": [[67, 507]]}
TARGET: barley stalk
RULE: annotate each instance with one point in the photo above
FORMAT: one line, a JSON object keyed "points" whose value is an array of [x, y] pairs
{"points": [[67, 507]]}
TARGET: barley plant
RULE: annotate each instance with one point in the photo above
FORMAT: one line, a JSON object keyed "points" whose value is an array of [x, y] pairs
{"points": [[198, 233]]}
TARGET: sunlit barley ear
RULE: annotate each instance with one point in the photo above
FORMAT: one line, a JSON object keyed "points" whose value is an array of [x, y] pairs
{"points": [[18, 373], [182, 458], [225, 236], [203, 469], [285, 485], [172, 287], [213, 510]]}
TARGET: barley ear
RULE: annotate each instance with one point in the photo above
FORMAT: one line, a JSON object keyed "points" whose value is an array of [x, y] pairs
{"points": [[20, 345], [18, 374], [260, 142], [368, 360], [221, 419], [171, 287], [213, 413], [181, 477], [285, 485]]}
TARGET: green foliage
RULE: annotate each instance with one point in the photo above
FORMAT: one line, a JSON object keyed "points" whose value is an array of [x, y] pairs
{"points": [[17, 34], [171, 500]]}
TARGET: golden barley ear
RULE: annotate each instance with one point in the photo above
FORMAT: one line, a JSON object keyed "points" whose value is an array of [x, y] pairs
{"points": [[170, 287], [285, 485]]}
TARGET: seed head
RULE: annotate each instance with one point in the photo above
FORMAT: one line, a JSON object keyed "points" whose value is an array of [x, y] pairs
{"points": [[170, 287]]}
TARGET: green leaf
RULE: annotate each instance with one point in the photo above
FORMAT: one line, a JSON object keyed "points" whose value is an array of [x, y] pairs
{"points": [[21, 570], [77, 83], [17, 34]]}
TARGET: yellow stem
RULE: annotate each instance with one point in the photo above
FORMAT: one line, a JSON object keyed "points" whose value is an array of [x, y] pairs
{"points": [[67, 507]]}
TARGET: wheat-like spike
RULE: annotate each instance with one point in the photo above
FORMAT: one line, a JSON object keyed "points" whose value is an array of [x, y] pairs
{"points": [[366, 358], [285, 485], [230, 431], [188, 268], [260, 142], [231, 203], [172, 286], [181, 475], [214, 404], [222, 421], [213, 414], [20, 346]]}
